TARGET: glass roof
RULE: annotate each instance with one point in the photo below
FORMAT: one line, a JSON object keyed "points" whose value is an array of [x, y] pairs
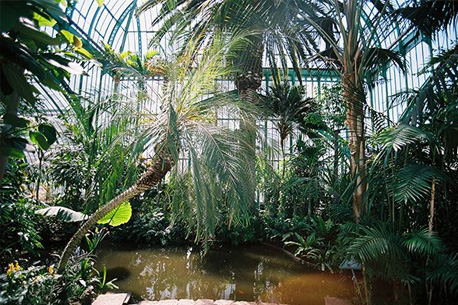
{"points": [[116, 23]]}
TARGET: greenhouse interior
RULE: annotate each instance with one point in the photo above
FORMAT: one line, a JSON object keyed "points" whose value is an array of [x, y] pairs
{"points": [[216, 152]]}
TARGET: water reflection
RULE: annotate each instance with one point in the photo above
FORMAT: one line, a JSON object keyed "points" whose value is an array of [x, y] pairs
{"points": [[249, 273]]}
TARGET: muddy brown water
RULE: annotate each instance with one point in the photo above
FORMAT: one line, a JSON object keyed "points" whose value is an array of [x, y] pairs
{"points": [[242, 273]]}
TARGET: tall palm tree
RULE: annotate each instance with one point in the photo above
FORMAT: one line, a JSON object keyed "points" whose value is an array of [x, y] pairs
{"points": [[188, 123], [351, 48]]}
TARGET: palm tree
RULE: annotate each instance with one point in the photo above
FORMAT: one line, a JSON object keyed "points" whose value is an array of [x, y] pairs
{"points": [[430, 109], [351, 49], [270, 30], [187, 123], [269, 25], [288, 107]]}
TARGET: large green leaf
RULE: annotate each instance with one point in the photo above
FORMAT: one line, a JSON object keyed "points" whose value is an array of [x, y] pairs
{"points": [[49, 132], [84, 52], [67, 35], [118, 216], [43, 21], [62, 213], [9, 14], [151, 54], [413, 182], [39, 139]]}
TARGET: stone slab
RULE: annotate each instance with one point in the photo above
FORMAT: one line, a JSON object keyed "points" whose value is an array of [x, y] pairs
{"points": [[112, 299]]}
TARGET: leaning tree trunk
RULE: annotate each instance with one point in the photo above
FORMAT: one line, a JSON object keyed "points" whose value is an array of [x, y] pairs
{"points": [[162, 164], [247, 83], [353, 94]]}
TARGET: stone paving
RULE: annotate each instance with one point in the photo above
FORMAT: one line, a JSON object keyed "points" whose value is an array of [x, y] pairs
{"points": [[123, 298], [201, 302]]}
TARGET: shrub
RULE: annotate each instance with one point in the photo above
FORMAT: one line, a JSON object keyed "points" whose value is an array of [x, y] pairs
{"points": [[17, 219], [39, 284]]}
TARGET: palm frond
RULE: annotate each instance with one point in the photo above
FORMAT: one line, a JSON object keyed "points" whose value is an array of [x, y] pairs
{"points": [[423, 242], [413, 182], [429, 16], [376, 243], [402, 135], [375, 60], [443, 271], [437, 88]]}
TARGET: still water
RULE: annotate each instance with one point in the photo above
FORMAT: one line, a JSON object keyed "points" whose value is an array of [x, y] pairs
{"points": [[243, 273]]}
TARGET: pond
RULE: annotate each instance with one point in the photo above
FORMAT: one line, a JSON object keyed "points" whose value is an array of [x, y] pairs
{"points": [[242, 273]]}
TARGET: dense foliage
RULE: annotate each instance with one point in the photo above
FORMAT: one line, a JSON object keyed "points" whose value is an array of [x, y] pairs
{"points": [[343, 184]]}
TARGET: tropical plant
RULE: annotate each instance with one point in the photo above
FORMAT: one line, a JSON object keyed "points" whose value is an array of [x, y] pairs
{"points": [[288, 108], [415, 162], [351, 49], [306, 247], [186, 120], [429, 17], [98, 146], [268, 26], [409, 259], [318, 247], [27, 54], [80, 282], [128, 64], [17, 220]]}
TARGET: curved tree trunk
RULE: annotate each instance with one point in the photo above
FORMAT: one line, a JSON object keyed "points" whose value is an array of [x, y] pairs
{"points": [[162, 165]]}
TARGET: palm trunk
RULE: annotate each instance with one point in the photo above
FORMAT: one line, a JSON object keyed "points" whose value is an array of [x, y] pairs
{"points": [[247, 83], [432, 206], [352, 93], [248, 131], [336, 166], [161, 166], [429, 288], [283, 170]]}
